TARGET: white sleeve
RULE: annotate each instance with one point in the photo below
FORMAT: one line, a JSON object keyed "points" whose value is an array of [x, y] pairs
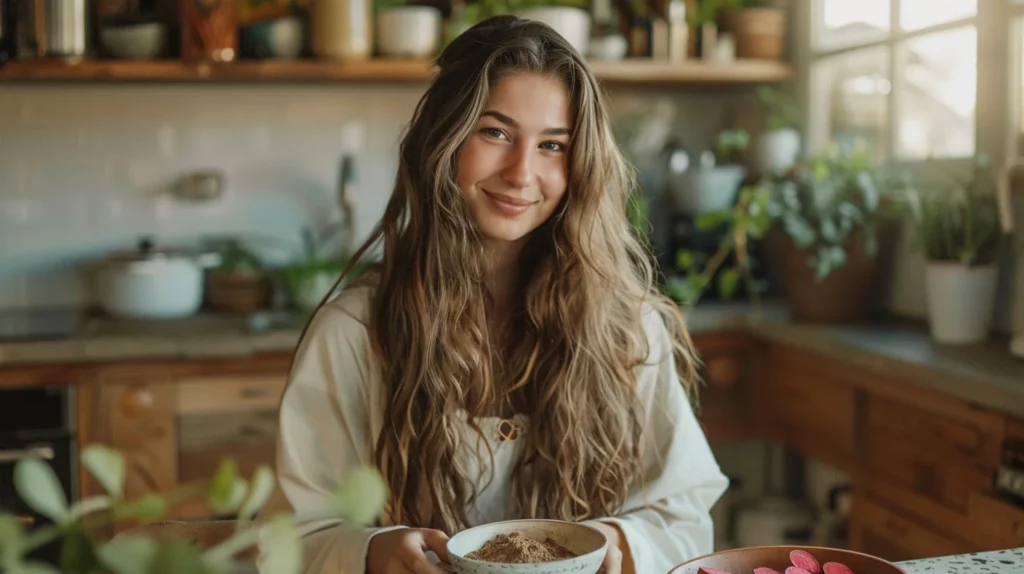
{"points": [[666, 520], [324, 433]]}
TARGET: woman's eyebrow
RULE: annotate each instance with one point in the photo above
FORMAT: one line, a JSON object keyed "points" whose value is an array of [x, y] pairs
{"points": [[514, 124]]}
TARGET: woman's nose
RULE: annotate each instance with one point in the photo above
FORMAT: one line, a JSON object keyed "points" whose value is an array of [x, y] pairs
{"points": [[518, 172]]}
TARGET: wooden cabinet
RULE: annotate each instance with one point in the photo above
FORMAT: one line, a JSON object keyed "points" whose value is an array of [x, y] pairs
{"points": [[174, 432]]}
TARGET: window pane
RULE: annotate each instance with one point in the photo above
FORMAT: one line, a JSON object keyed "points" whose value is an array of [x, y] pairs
{"points": [[917, 14], [840, 23], [849, 100], [935, 94]]}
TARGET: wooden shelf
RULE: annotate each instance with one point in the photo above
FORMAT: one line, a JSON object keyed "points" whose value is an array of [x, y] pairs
{"points": [[627, 72]]}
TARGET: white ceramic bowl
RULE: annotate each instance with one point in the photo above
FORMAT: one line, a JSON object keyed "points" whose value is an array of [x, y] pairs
{"points": [[586, 542], [143, 41]]}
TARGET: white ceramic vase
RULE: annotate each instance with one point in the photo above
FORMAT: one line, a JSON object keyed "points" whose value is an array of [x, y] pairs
{"points": [[408, 32], [572, 23], [777, 150], [703, 189], [960, 302]]}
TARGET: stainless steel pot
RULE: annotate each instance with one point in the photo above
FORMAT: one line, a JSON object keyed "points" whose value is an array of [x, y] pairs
{"points": [[152, 283], [51, 28]]}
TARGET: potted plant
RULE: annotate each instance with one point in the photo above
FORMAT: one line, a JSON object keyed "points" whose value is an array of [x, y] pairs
{"points": [[239, 283], [567, 17], [312, 277], [406, 30], [959, 233], [77, 528], [832, 212], [778, 147], [758, 26]]}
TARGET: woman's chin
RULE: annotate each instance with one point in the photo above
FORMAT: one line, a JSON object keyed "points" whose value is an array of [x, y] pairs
{"points": [[505, 232]]}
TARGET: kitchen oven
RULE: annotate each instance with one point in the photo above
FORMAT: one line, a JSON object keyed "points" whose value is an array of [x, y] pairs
{"points": [[36, 422]]}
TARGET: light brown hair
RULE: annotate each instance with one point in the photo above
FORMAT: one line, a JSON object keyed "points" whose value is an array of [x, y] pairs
{"points": [[579, 334]]}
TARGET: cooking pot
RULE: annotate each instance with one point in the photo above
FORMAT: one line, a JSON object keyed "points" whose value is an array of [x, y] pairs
{"points": [[152, 283]]}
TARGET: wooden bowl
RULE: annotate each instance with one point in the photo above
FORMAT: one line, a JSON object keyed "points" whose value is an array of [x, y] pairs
{"points": [[744, 560]]}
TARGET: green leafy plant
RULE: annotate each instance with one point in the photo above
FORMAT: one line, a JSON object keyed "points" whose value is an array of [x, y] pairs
{"points": [[358, 500], [961, 223], [730, 145], [707, 11], [823, 202], [235, 257], [748, 220], [782, 110]]}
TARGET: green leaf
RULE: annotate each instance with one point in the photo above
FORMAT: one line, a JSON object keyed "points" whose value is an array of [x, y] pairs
{"points": [[12, 538], [106, 465], [147, 508], [711, 219], [34, 568], [175, 556], [361, 496], [88, 506], [38, 487], [728, 282], [259, 492], [684, 260], [227, 491], [77, 555], [281, 547], [128, 554]]}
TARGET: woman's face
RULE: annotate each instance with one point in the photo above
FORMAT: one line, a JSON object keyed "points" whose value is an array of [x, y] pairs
{"points": [[512, 170]]}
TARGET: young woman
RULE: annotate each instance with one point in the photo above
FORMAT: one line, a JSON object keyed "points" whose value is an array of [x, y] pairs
{"points": [[510, 357]]}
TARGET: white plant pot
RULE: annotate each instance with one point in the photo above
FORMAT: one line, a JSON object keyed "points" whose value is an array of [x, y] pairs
{"points": [[408, 32], [960, 302], [703, 189], [572, 23], [777, 150]]}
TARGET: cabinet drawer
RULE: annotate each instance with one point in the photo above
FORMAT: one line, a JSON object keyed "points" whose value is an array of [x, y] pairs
{"points": [[1001, 522], [885, 533], [229, 394], [937, 455], [813, 409]]}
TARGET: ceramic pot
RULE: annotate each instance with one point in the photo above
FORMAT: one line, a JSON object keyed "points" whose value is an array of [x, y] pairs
{"points": [[961, 301]]}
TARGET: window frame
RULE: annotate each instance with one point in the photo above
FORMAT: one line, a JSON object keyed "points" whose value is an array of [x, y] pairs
{"points": [[995, 76]]}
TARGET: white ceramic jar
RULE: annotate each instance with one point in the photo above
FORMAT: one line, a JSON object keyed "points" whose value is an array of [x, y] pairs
{"points": [[408, 31]]}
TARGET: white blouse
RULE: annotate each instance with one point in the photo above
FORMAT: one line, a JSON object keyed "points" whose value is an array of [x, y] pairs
{"points": [[332, 411]]}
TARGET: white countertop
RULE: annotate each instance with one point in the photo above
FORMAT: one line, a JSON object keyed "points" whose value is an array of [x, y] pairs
{"points": [[996, 562]]}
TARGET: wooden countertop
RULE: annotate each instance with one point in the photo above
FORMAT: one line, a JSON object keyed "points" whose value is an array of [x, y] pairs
{"points": [[985, 375]]}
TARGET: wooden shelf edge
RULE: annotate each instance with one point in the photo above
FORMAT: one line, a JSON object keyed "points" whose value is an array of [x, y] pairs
{"points": [[627, 72]]}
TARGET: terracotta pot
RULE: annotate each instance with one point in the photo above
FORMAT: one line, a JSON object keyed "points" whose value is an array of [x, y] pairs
{"points": [[759, 32], [849, 294]]}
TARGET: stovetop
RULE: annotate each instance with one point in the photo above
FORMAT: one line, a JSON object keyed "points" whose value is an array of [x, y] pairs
{"points": [[38, 324]]}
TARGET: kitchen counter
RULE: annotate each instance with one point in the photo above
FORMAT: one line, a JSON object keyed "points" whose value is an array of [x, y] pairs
{"points": [[985, 375], [997, 562]]}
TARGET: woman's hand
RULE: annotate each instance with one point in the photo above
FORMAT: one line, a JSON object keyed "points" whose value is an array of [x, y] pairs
{"points": [[404, 551], [613, 559]]}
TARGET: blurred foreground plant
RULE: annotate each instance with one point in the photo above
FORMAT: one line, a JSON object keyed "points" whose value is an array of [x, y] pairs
{"points": [[358, 500]]}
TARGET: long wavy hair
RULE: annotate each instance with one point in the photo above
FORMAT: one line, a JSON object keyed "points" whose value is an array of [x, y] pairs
{"points": [[579, 334]]}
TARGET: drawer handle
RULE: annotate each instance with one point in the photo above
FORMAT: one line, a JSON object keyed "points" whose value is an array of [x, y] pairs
{"points": [[254, 393]]}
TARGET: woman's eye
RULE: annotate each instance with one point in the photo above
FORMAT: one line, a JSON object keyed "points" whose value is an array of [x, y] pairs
{"points": [[493, 132], [553, 146]]}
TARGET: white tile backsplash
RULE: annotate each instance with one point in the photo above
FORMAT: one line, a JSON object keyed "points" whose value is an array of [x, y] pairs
{"points": [[86, 168]]}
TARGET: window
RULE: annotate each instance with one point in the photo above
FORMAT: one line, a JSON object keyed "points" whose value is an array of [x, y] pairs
{"points": [[899, 76]]}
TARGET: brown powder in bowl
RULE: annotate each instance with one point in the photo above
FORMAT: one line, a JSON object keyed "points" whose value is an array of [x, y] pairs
{"points": [[515, 548]]}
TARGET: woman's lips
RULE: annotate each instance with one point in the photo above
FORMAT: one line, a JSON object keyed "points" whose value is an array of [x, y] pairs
{"points": [[507, 204]]}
